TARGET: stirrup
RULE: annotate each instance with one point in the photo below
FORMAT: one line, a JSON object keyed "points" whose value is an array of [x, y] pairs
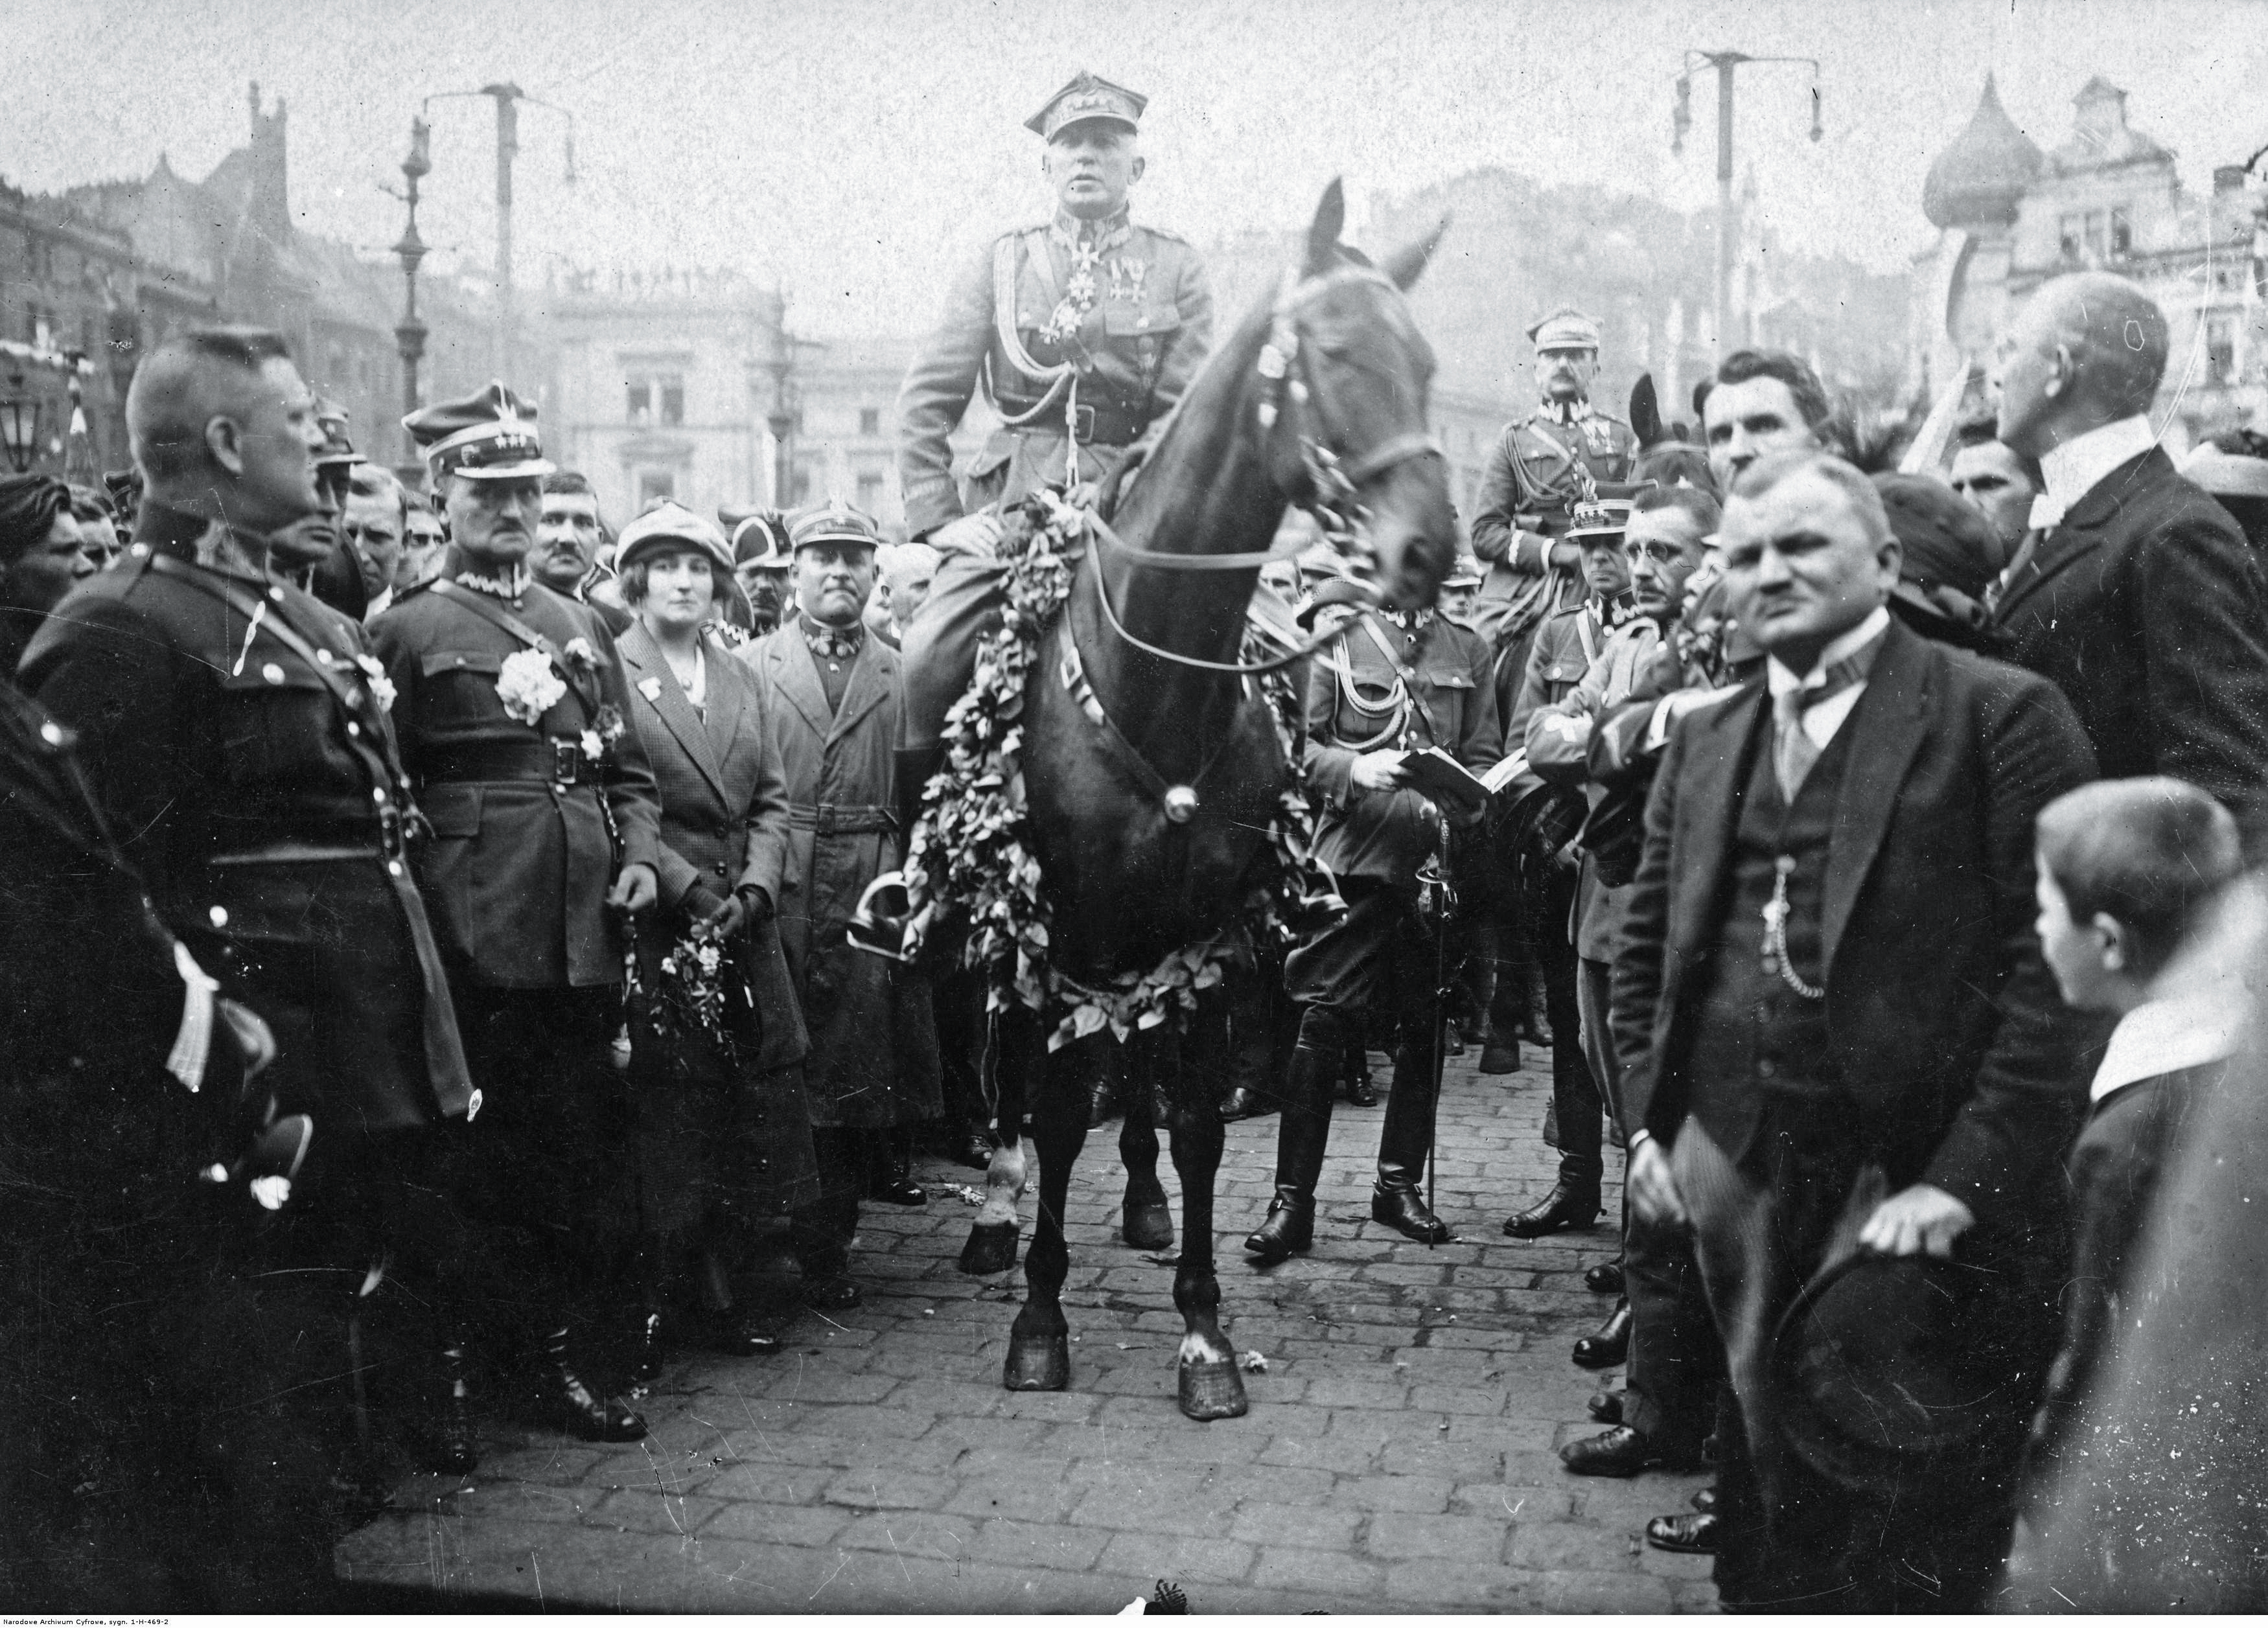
{"points": [[887, 931]]}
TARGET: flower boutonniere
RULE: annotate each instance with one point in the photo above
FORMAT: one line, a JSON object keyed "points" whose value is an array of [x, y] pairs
{"points": [[581, 656], [651, 688], [605, 730], [528, 686], [381, 687]]}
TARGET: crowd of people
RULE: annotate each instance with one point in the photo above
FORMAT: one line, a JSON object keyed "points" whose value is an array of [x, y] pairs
{"points": [[431, 979]]}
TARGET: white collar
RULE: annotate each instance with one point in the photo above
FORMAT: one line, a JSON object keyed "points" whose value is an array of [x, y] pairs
{"points": [[1780, 678], [2159, 1036], [2078, 466]]}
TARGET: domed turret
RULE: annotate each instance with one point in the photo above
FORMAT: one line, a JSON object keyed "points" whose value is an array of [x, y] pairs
{"points": [[1977, 182]]}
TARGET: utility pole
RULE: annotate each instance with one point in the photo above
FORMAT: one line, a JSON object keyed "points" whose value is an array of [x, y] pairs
{"points": [[409, 333], [1725, 63], [507, 100]]}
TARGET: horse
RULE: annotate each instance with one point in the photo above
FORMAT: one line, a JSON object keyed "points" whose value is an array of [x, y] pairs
{"points": [[1149, 785]]}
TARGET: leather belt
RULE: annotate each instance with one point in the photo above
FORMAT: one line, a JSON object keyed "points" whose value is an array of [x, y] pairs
{"points": [[556, 760], [1095, 426], [830, 819]]}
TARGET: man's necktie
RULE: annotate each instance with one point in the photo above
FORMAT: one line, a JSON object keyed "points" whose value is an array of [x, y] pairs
{"points": [[1793, 751]]}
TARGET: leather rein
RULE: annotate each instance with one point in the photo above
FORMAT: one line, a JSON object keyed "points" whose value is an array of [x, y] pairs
{"points": [[1333, 480]]}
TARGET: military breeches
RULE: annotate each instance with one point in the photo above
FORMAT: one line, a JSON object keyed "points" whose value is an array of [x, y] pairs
{"points": [[939, 655]]}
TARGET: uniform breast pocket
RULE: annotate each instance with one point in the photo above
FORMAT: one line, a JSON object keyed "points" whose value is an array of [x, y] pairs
{"points": [[458, 683], [276, 724], [1128, 321]]}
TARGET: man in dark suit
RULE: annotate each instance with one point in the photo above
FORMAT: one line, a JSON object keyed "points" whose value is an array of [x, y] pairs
{"points": [[2134, 591], [1828, 985]]}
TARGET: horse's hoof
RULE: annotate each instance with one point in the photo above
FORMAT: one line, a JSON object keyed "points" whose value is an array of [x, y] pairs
{"points": [[1212, 1389], [1038, 1362], [991, 1249], [1148, 1227]]}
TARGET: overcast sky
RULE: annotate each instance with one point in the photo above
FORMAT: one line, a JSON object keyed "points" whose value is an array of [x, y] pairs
{"points": [[859, 149]]}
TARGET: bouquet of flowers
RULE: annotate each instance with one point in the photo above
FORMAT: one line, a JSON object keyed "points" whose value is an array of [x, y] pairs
{"points": [[528, 686]]}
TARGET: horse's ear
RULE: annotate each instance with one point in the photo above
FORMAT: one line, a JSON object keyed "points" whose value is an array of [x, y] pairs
{"points": [[1324, 233], [1404, 264], [1646, 413]]}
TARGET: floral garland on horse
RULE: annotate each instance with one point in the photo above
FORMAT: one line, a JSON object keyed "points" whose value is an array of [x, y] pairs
{"points": [[967, 846]]}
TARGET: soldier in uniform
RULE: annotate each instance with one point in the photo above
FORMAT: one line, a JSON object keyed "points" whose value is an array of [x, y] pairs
{"points": [[1082, 333], [235, 735], [511, 705], [1400, 681], [1541, 468]]}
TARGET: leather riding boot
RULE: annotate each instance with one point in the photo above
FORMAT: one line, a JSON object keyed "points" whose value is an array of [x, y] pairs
{"points": [[579, 1409], [1404, 1142], [1361, 1090], [1569, 1204], [1301, 1137]]}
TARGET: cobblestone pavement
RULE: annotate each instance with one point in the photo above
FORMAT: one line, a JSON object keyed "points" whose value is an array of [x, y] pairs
{"points": [[1398, 1456]]}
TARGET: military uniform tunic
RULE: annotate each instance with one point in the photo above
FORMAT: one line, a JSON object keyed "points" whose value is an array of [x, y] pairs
{"points": [[522, 856], [1535, 475], [241, 752]]}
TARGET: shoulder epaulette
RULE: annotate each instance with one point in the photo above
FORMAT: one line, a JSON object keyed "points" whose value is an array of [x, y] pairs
{"points": [[1160, 232]]}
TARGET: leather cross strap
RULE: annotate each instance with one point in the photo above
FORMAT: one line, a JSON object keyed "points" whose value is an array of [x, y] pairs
{"points": [[496, 616]]}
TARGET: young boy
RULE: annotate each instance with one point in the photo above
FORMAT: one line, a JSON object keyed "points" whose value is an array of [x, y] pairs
{"points": [[2132, 876]]}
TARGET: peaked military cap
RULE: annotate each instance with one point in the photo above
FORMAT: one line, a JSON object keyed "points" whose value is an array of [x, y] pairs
{"points": [[336, 451], [490, 435], [833, 521], [1085, 97], [1466, 573], [665, 524], [1608, 517], [1564, 329]]}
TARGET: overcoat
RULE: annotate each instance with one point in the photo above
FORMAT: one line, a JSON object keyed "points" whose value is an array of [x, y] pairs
{"points": [[521, 858], [873, 1059], [724, 824]]}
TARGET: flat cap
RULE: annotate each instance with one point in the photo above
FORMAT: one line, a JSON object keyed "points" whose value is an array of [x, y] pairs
{"points": [[489, 435], [1564, 329], [1086, 98], [667, 524], [833, 521]]}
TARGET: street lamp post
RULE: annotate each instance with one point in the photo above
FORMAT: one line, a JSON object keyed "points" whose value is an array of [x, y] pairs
{"points": [[1725, 63], [508, 96], [409, 333], [19, 426]]}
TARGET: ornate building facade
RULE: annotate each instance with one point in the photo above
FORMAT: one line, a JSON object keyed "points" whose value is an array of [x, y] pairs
{"points": [[2011, 217]]}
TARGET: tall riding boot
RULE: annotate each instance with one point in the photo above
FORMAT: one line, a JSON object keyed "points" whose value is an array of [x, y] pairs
{"points": [[1407, 1138], [576, 1406], [1301, 1137], [451, 1446]]}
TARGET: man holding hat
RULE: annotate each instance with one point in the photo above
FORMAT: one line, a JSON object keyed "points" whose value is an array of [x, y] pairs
{"points": [[1541, 468], [510, 706], [831, 701], [1838, 1037], [1081, 333]]}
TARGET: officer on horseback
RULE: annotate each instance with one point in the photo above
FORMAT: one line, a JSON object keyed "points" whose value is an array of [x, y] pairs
{"points": [[1082, 333]]}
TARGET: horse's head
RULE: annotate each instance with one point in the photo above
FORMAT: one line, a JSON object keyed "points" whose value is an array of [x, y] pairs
{"points": [[1344, 413]]}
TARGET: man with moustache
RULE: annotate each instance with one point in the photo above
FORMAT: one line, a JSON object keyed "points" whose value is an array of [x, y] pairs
{"points": [[1836, 1034], [1082, 333], [567, 540], [511, 706]]}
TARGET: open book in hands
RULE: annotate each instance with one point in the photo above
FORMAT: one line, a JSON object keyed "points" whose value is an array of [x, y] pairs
{"points": [[1449, 783]]}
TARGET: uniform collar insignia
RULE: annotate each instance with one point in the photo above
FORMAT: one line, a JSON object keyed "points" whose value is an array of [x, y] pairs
{"points": [[1564, 412], [837, 643], [1098, 235], [510, 584]]}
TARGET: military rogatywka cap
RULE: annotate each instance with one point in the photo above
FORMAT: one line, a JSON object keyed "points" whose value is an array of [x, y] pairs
{"points": [[1564, 329], [1086, 98], [336, 451], [833, 521], [488, 437], [1608, 517]]}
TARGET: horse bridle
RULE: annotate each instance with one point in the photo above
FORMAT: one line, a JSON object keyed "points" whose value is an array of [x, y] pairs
{"points": [[1334, 482]]}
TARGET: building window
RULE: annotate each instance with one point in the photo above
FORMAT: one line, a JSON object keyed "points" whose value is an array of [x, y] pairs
{"points": [[2095, 240], [802, 487], [646, 387], [673, 397], [870, 492], [39, 328], [640, 407], [655, 486], [870, 420], [2220, 350], [2067, 231], [2122, 234]]}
